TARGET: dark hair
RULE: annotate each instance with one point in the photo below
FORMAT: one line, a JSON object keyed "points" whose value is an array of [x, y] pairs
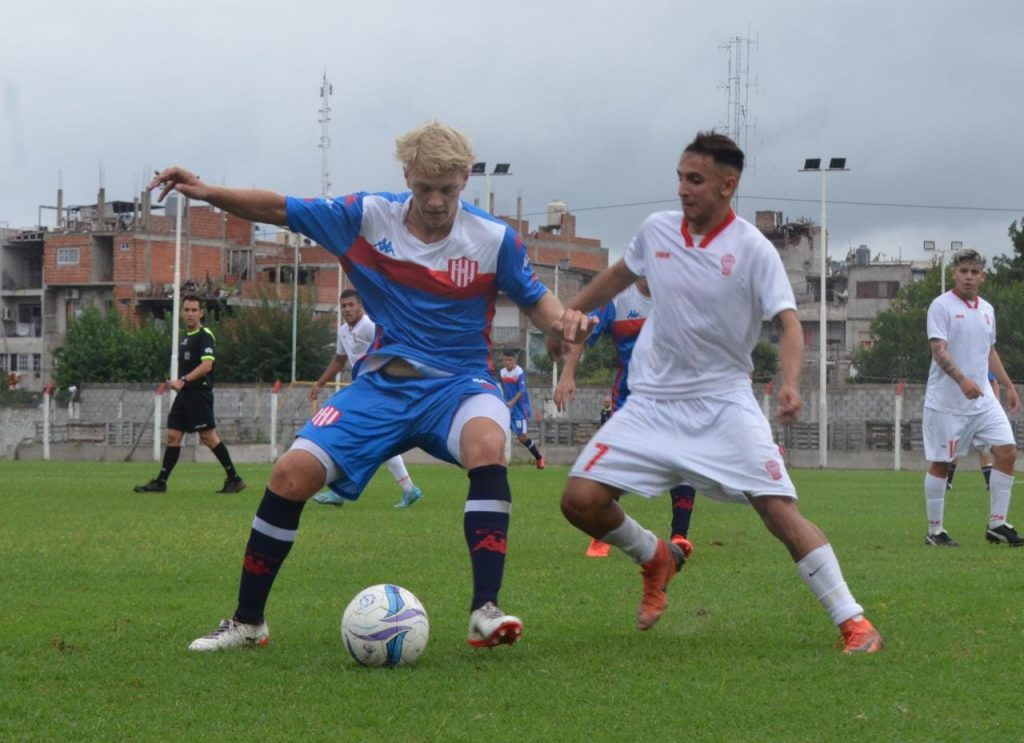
{"points": [[968, 255], [721, 149], [510, 352], [351, 293], [192, 297]]}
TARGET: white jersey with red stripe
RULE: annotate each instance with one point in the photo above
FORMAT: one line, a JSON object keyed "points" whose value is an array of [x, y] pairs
{"points": [[710, 295], [355, 340], [432, 302], [969, 329]]}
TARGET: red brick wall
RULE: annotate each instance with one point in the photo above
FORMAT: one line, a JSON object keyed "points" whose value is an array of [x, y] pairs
{"points": [[80, 274]]}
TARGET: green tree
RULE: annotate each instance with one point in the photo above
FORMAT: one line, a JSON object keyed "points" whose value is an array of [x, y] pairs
{"points": [[766, 361], [254, 344], [101, 347]]}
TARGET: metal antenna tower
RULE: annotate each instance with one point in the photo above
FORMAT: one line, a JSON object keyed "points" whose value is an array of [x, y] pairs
{"points": [[737, 86], [326, 90]]}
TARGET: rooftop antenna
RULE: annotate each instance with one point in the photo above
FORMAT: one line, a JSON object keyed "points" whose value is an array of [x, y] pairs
{"points": [[326, 90], [737, 86]]}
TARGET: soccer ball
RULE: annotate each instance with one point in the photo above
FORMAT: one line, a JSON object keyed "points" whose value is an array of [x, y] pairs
{"points": [[385, 625]]}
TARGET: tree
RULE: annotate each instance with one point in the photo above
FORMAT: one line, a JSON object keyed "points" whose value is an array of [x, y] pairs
{"points": [[102, 347], [254, 344], [766, 361]]}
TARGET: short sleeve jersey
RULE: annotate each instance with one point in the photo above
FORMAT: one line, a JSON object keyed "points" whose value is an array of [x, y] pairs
{"points": [[710, 294], [433, 302], [355, 341], [622, 319], [513, 381], [196, 346], [969, 329]]}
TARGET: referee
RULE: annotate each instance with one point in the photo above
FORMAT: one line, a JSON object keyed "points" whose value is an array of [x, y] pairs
{"points": [[193, 407]]}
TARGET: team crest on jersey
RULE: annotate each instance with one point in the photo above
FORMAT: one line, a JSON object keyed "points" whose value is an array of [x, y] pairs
{"points": [[773, 469], [462, 271], [385, 247], [326, 416], [728, 261]]}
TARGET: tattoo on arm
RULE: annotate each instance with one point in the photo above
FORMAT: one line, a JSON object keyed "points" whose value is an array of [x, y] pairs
{"points": [[940, 352]]}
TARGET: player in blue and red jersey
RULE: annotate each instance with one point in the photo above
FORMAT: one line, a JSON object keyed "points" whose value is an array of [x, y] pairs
{"points": [[622, 319], [517, 398], [428, 267]]}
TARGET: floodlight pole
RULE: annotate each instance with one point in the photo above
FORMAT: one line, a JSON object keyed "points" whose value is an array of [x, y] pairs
{"points": [[817, 166], [480, 168]]}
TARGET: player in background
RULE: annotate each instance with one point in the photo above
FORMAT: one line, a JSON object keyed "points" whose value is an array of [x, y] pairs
{"points": [[606, 409], [985, 458], [355, 334], [517, 398], [621, 319], [691, 414], [192, 410], [428, 267], [960, 409]]}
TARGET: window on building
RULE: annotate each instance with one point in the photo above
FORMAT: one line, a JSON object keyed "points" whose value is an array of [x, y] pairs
{"points": [[877, 289], [67, 256], [37, 363], [24, 362]]}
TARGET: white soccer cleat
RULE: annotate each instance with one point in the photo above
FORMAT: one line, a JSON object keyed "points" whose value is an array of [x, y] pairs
{"points": [[490, 626], [232, 634]]}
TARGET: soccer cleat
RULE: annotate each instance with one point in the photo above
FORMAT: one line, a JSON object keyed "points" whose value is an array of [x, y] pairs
{"points": [[232, 634], [657, 572], [329, 498], [858, 636], [153, 486], [1004, 534], [942, 539], [233, 485], [490, 626], [540, 463], [409, 497], [684, 544], [598, 548]]}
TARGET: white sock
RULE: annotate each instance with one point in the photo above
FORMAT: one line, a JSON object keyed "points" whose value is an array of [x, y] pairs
{"points": [[999, 484], [820, 571], [398, 471], [636, 541], [934, 501]]}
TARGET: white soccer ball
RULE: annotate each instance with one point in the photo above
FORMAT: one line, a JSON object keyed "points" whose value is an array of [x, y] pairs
{"points": [[385, 625]]}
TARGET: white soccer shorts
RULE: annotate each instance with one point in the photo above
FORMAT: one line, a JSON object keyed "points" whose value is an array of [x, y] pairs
{"points": [[721, 444], [949, 436]]}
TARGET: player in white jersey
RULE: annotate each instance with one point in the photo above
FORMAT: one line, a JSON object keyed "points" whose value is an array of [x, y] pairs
{"points": [[355, 335], [960, 410], [692, 414]]}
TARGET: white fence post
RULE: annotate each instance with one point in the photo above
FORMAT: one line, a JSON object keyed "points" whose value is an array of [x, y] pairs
{"points": [[766, 402], [47, 393], [157, 417], [273, 419], [898, 431]]}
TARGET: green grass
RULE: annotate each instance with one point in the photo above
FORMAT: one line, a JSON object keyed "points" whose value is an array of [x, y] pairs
{"points": [[102, 590]]}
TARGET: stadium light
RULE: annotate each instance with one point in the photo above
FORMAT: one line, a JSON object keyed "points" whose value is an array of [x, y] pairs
{"points": [[954, 245], [480, 168], [813, 165]]}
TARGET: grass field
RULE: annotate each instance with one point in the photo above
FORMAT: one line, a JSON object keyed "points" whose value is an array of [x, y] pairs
{"points": [[102, 590]]}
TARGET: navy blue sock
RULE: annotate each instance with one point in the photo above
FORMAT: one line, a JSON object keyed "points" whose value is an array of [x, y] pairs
{"points": [[273, 533], [682, 508], [485, 524], [533, 448], [986, 472], [221, 452], [171, 454], [952, 473]]}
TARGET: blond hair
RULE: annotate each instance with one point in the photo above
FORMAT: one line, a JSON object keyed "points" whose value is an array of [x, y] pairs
{"points": [[435, 148]]}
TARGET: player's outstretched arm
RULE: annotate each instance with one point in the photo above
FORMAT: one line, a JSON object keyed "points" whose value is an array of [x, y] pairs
{"points": [[995, 365], [256, 205], [565, 390], [605, 286], [791, 354]]}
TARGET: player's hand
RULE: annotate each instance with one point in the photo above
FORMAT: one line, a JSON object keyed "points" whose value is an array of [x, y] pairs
{"points": [[564, 392], [574, 326], [790, 404], [314, 391], [180, 180], [1012, 399], [177, 384], [970, 389]]}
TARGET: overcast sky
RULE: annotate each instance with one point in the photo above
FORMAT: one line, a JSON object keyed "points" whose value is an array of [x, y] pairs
{"points": [[591, 103]]}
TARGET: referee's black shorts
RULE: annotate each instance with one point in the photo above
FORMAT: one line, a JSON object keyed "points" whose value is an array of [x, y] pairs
{"points": [[192, 411]]}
